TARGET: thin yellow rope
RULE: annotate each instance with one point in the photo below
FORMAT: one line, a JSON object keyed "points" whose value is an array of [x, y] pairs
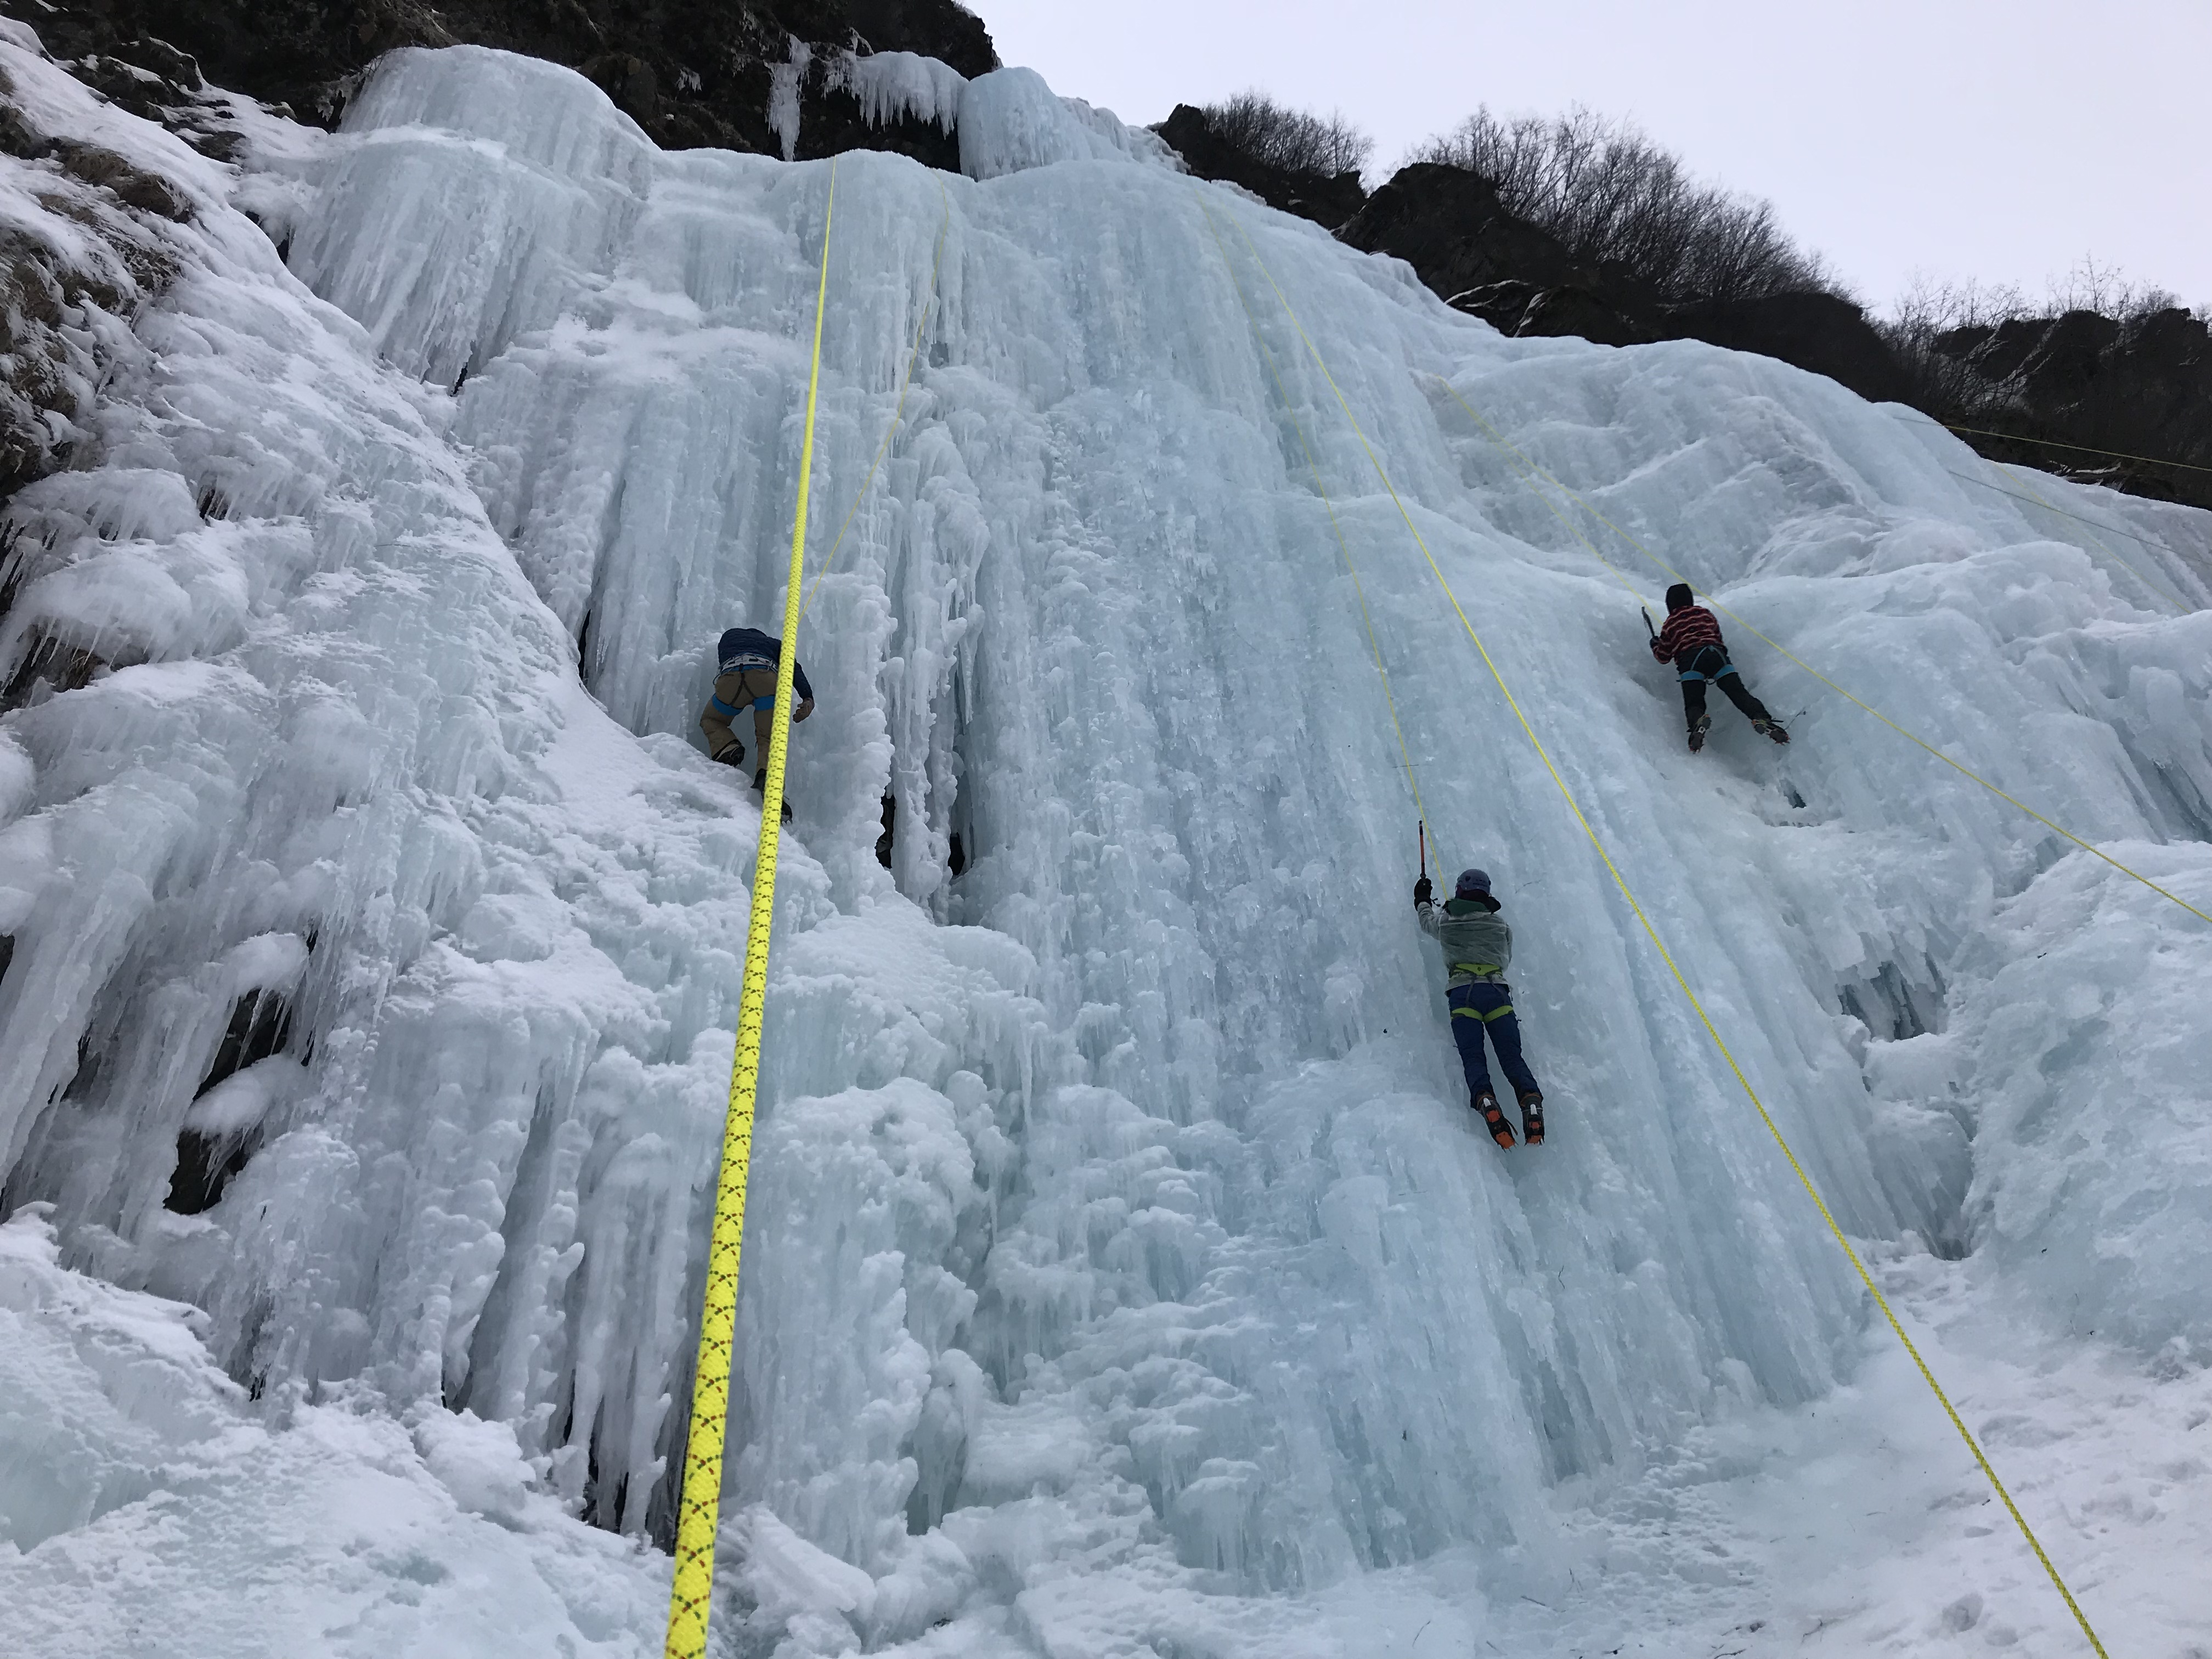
{"points": [[1834, 1228], [690, 1593], [1962, 770]]}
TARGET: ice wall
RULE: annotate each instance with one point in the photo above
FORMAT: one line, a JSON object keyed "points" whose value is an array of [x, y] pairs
{"points": [[1119, 1232]]}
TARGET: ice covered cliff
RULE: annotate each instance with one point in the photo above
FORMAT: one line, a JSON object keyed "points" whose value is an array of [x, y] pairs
{"points": [[1123, 1274]]}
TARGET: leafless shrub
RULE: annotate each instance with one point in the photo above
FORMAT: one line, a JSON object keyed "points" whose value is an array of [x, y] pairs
{"points": [[1294, 140], [1927, 308], [1611, 194]]}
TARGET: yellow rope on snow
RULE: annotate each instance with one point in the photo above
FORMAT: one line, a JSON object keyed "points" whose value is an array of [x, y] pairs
{"points": [[2053, 443], [2037, 501], [1962, 770], [2027, 484], [1834, 1228], [699, 1511]]}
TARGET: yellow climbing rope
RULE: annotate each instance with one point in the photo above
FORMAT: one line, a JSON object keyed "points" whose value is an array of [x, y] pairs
{"points": [[1959, 767], [2038, 500], [699, 1510], [1343, 548], [1834, 1228], [898, 413], [2053, 443], [2028, 484]]}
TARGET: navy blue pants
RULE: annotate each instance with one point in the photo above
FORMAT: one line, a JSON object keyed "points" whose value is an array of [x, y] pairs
{"points": [[1482, 1007], [1711, 664]]}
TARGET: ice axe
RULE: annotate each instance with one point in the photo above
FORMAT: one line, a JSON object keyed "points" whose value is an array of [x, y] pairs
{"points": [[1648, 628], [1423, 822]]}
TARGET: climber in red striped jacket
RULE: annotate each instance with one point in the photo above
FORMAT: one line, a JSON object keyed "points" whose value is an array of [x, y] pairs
{"points": [[1692, 642]]}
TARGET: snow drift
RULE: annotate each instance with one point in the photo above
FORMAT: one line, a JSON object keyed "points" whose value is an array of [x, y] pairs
{"points": [[1123, 1266]]}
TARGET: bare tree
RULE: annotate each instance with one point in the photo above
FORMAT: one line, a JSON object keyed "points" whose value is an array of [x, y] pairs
{"points": [[1293, 140], [2107, 288], [1610, 193]]}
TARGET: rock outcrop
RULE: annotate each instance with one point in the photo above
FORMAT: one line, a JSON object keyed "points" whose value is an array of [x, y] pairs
{"points": [[2139, 386], [1450, 225], [690, 73], [1327, 199]]}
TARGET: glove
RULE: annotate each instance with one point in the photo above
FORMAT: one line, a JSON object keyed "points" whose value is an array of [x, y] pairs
{"points": [[1423, 891]]}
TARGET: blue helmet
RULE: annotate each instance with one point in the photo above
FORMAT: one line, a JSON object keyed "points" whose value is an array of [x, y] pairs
{"points": [[1472, 882]]}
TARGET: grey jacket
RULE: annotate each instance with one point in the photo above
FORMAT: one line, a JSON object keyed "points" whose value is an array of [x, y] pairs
{"points": [[1478, 945]]}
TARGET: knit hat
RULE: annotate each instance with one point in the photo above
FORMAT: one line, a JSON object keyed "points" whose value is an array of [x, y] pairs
{"points": [[1472, 882], [1678, 596]]}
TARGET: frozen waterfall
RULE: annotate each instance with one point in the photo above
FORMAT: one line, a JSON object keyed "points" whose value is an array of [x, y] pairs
{"points": [[1124, 1272]]}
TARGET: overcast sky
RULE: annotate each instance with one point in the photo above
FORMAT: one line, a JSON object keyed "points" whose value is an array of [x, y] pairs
{"points": [[1954, 139]]}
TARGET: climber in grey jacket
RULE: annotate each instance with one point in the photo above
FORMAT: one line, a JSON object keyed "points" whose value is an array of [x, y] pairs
{"points": [[1478, 948]]}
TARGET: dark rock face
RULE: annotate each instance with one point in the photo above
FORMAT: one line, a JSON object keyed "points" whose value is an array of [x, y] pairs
{"points": [[2141, 386], [1463, 242], [2053, 363], [1822, 332], [1448, 224], [1324, 198], [73, 274], [691, 72]]}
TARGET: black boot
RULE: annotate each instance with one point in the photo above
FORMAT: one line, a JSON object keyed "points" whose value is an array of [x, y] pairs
{"points": [[1698, 734], [1770, 727], [1532, 1117], [760, 784], [1494, 1120]]}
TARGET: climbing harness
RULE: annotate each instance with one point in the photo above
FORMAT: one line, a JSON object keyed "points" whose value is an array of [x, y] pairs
{"points": [[1715, 603], [1835, 1229], [1697, 669], [699, 1508]]}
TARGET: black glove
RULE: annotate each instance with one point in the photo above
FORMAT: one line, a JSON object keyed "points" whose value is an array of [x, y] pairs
{"points": [[1423, 891]]}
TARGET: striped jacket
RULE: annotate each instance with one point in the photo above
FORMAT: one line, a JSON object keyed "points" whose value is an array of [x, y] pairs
{"points": [[1687, 632]]}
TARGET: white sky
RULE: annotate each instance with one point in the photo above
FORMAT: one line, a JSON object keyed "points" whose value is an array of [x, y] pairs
{"points": [[1996, 139]]}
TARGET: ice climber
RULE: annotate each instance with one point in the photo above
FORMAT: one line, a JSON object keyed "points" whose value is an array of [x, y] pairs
{"points": [[1478, 947], [745, 664], [1692, 642]]}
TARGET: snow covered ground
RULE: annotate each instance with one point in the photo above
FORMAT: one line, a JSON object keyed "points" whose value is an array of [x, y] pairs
{"points": [[1124, 1273]]}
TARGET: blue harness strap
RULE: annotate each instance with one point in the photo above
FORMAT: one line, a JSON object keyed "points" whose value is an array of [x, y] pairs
{"points": [[743, 662], [1694, 673]]}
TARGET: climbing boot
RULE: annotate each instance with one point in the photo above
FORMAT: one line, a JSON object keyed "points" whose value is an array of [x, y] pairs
{"points": [[1532, 1117], [1698, 734], [1771, 729], [1494, 1120], [733, 754], [760, 787]]}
